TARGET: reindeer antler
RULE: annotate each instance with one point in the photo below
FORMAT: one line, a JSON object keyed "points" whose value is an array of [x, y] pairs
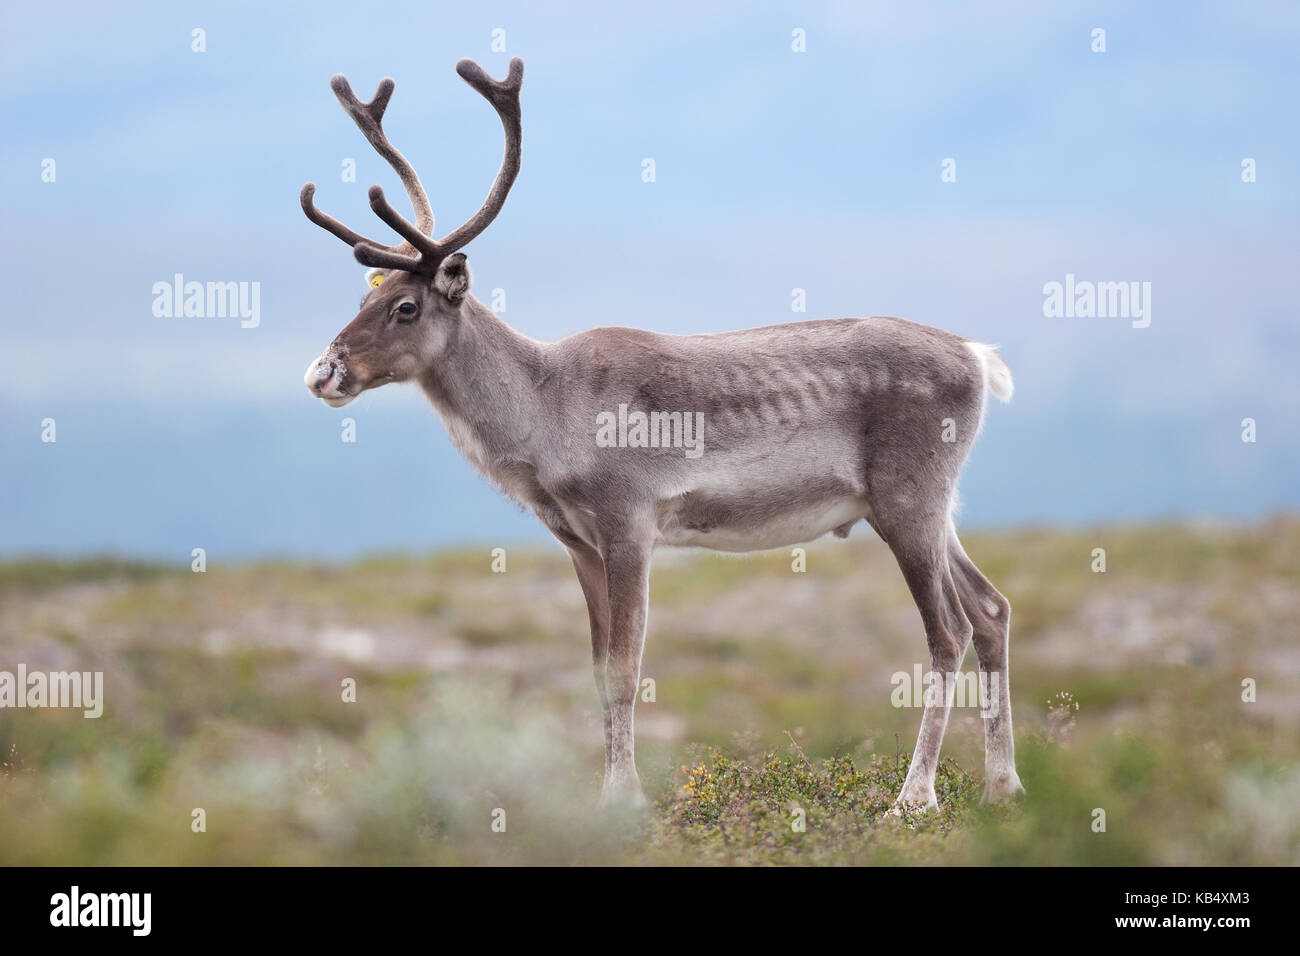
{"points": [[419, 252]]}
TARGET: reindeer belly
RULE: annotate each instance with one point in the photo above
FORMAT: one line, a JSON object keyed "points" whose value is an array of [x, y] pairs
{"points": [[756, 522]]}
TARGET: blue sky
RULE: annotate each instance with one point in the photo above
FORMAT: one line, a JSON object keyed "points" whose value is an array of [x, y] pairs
{"points": [[775, 170]]}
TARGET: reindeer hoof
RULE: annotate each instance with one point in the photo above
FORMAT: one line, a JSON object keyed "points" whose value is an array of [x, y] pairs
{"points": [[622, 799], [918, 804], [1003, 788]]}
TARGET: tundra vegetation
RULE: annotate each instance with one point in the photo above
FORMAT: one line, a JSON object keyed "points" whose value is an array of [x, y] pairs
{"points": [[770, 739]]}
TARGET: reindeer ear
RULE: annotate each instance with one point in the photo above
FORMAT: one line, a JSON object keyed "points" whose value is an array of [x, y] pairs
{"points": [[452, 279], [375, 277]]}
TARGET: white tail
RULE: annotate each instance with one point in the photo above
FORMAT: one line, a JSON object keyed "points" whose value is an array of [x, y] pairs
{"points": [[996, 373]]}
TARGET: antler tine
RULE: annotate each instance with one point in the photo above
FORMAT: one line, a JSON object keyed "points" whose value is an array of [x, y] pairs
{"points": [[504, 97], [376, 256], [369, 117], [414, 238], [326, 221]]}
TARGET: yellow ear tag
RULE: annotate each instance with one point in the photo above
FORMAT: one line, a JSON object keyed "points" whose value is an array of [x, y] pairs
{"points": [[375, 281]]}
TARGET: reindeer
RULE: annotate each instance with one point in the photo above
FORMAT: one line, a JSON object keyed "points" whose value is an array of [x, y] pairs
{"points": [[809, 427]]}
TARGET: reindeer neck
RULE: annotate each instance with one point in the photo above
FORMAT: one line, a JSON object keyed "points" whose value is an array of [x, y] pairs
{"points": [[484, 386]]}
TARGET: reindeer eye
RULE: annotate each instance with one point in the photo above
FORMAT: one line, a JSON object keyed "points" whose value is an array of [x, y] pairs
{"points": [[405, 311]]}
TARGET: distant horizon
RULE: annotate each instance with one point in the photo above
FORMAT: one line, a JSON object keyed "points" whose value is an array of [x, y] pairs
{"points": [[543, 541]]}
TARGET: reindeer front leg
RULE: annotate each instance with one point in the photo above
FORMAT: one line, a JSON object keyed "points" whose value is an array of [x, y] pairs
{"points": [[627, 578], [590, 567]]}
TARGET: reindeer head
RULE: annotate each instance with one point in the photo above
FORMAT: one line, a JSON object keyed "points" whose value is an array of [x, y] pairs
{"points": [[418, 287]]}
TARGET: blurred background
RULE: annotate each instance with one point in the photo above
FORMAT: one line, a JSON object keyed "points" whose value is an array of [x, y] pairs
{"points": [[776, 169]]}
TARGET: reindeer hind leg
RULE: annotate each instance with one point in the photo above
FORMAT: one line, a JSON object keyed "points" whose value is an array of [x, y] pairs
{"points": [[990, 616], [918, 539]]}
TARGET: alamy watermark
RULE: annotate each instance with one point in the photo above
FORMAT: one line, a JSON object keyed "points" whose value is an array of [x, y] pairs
{"points": [[133, 911], [1100, 300], [635, 429], [931, 689], [208, 300], [76, 689]]}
